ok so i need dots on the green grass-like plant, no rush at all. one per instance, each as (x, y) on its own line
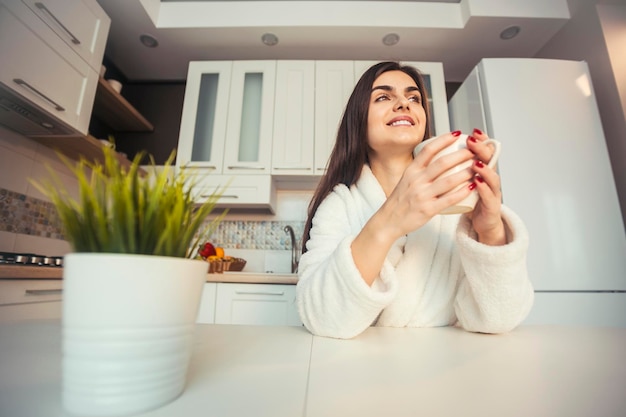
(119, 210)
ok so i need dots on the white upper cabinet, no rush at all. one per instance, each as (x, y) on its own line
(248, 148)
(39, 64)
(432, 73)
(277, 118)
(294, 115)
(334, 81)
(227, 118)
(83, 26)
(205, 109)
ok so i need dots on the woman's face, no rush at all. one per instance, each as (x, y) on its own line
(396, 121)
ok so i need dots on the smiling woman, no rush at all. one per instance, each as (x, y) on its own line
(377, 249)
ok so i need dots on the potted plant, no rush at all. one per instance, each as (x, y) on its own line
(131, 291)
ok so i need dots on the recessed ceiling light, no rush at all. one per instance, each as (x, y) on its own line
(149, 41)
(269, 39)
(510, 32)
(391, 39)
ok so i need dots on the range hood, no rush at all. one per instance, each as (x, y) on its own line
(23, 116)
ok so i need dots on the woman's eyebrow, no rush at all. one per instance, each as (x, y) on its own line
(390, 88)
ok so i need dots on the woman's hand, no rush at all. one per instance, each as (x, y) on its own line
(486, 217)
(426, 189)
(422, 192)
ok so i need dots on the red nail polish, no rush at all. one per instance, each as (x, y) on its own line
(473, 139)
(479, 178)
(478, 131)
(472, 186)
(479, 164)
(456, 133)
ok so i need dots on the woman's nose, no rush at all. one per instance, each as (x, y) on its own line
(402, 102)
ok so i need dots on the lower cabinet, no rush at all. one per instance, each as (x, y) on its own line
(23, 299)
(251, 304)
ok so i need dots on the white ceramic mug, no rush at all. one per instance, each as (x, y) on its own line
(468, 203)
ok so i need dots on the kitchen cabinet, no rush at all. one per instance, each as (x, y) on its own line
(82, 25)
(203, 122)
(334, 81)
(242, 191)
(248, 148)
(41, 66)
(293, 138)
(24, 299)
(52, 52)
(206, 313)
(256, 304)
(227, 119)
(226, 131)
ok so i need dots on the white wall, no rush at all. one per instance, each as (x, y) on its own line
(21, 159)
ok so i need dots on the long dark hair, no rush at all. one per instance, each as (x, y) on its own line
(350, 150)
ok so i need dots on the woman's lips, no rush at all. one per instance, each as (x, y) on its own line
(401, 121)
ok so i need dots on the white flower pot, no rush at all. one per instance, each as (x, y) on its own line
(128, 323)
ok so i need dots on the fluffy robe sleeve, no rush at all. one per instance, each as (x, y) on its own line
(482, 288)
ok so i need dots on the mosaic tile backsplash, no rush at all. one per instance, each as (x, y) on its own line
(22, 214)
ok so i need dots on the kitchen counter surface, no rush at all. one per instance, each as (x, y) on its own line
(253, 278)
(285, 371)
(42, 272)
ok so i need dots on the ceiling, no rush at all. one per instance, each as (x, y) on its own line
(457, 33)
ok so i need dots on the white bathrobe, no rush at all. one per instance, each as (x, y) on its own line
(438, 275)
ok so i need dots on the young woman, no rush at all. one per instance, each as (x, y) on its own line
(375, 249)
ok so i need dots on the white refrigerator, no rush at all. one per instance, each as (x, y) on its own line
(556, 175)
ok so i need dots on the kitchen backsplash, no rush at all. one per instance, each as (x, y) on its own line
(22, 214)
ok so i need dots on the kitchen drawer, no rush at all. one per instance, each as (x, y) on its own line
(256, 304)
(82, 25)
(24, 291)
(243, 191)
(42, 68)
(47, 310)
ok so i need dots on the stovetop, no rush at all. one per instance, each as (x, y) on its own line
(30, 259)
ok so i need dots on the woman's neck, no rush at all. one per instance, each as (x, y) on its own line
(388, 171)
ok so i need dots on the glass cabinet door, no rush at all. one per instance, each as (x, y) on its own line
(248, 147)
(203, 123)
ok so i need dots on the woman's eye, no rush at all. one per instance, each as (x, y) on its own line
(382, 98)
(416, 99)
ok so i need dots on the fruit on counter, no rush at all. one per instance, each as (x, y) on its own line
(207, 250)
(219, 252)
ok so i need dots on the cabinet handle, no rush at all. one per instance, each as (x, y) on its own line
(44, 292)
(23, 83)
(294, 168)
(222, 196)
(198, 167)
(279, 293)
(246, 167)
(44, 9)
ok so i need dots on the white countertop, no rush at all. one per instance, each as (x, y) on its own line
(285, 371)
(253, 278)
(41, 272)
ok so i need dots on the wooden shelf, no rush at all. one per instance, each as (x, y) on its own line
(113, 109)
